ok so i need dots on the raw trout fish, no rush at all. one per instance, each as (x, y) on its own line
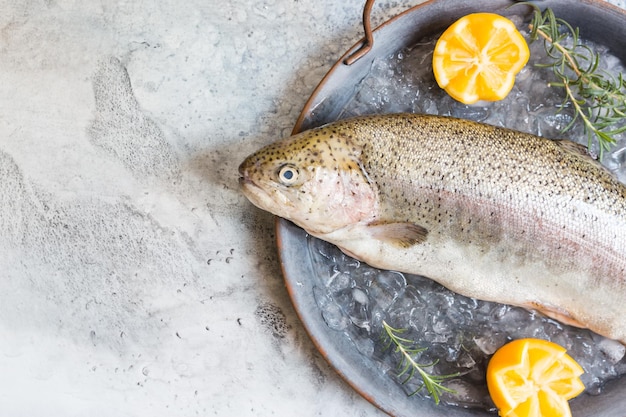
(488, 212)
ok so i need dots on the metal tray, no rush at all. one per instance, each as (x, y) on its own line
(598, 21)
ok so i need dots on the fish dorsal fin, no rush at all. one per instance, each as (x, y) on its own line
(402, 234)
(574, 148)
(580, 151)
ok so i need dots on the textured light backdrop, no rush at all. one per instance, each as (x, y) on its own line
(135, 280)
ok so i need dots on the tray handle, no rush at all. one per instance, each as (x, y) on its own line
(368, 42)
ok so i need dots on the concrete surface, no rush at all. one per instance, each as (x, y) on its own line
(135, 279)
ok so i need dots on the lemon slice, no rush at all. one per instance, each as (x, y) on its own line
(533, 378)
(478, 57)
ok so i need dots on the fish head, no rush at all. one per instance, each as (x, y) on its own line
(315, 179)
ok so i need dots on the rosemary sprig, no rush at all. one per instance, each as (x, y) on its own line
(409, 367)
(598, 98)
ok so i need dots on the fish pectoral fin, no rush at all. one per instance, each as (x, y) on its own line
(402, 234)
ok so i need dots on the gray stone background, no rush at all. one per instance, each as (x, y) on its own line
(135, 279)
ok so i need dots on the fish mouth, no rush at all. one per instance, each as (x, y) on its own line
(244, 177)
(254, 192)
(248, 186)
(246, 182)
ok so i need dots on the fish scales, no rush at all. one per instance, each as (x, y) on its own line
(499, 168)
(488, 212)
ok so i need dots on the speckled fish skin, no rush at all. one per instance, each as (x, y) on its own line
(490, 213)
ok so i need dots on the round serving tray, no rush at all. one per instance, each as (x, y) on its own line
(598, 20)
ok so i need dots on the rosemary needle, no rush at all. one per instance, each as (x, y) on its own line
(598, 98)
(409, 366)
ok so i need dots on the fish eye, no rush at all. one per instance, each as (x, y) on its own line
(288, 174)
